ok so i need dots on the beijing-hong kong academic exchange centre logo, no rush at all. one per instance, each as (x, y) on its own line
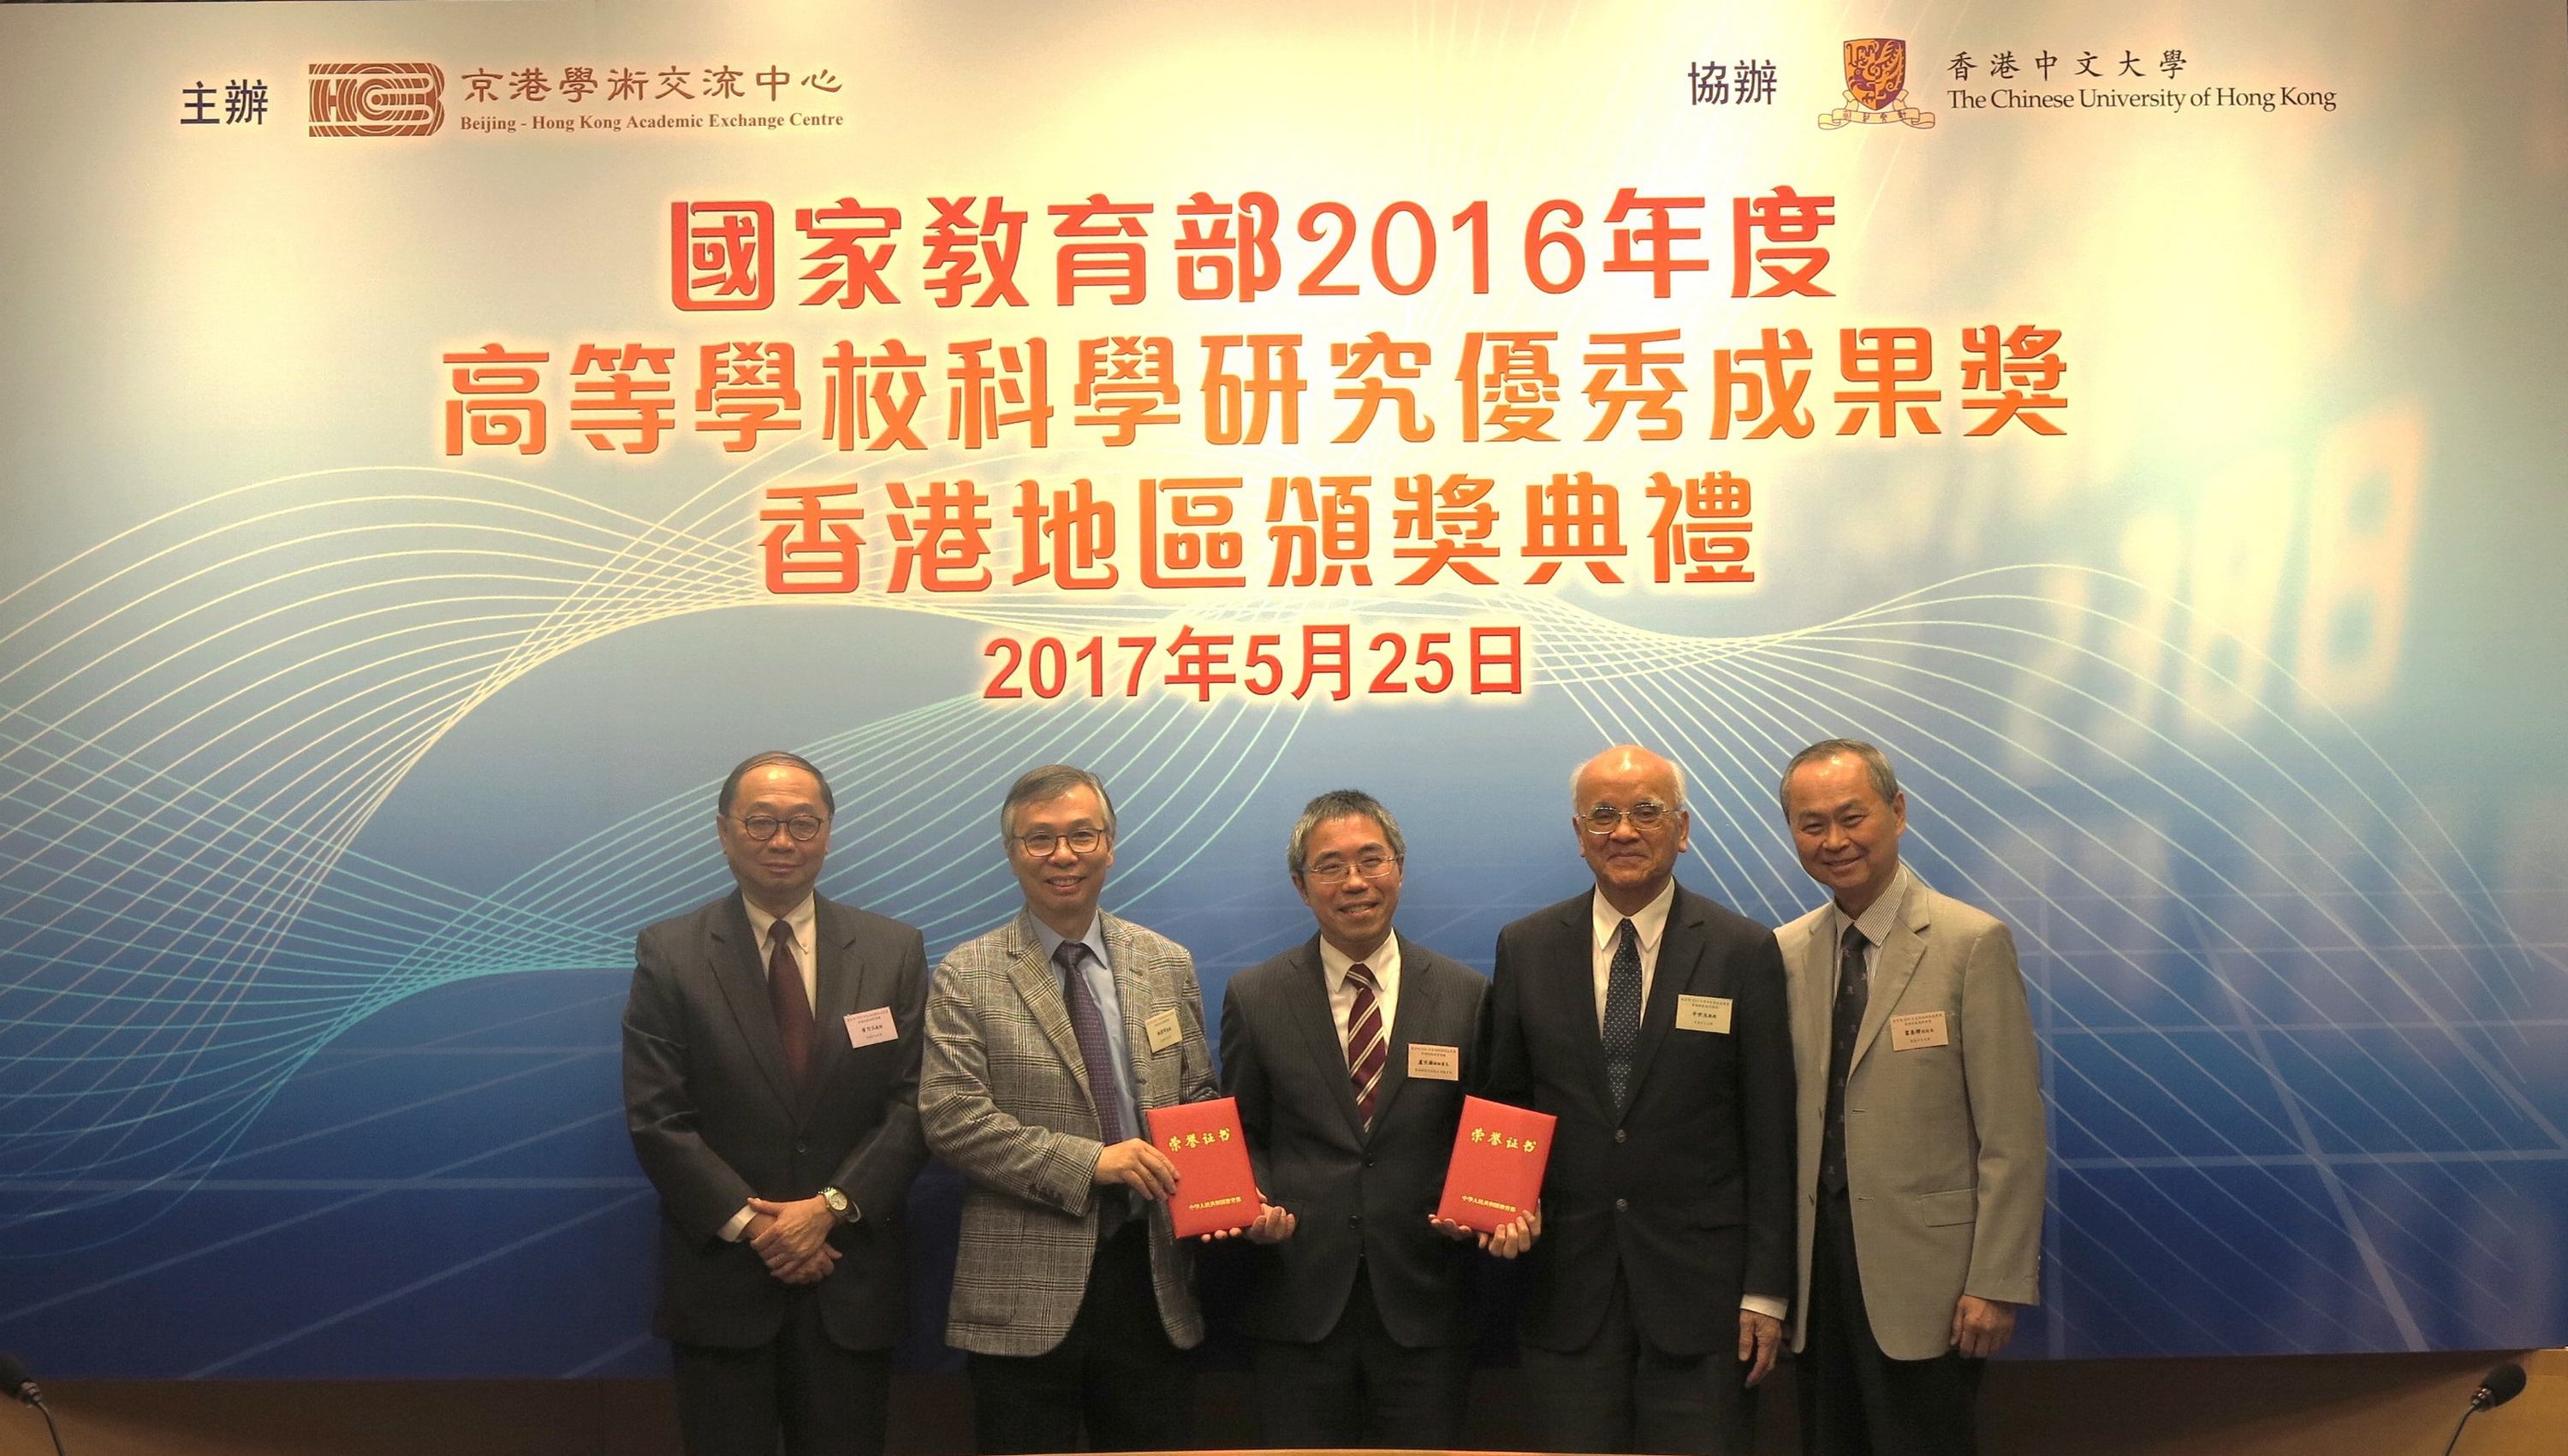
(1876, 93)
(377, 99)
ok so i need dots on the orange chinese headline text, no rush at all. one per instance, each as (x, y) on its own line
(1500, 387)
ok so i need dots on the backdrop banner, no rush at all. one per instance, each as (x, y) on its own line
(437, 440)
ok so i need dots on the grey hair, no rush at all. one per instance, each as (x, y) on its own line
(730, 786)
(1038, 786)
(1340, 803)
(1875, 763)
(1674, 767)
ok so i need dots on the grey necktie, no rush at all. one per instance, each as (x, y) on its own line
(1845, 1021)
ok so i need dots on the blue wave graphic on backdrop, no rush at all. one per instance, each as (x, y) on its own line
(2274, 996)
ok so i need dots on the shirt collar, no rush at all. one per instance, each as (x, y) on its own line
(1095, 939)
(1650, 922)
(1384, 963)
(1880, 917)
(799, 920)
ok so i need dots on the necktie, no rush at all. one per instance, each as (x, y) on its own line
(788, 1000)
(1367, 1050)
(1845, 1020)
(1088, 1024)
(1623, 1013)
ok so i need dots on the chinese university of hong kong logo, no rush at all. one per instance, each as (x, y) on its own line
(1876, 88)
(377, 99)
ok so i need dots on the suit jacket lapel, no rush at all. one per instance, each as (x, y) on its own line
(837, 979)
(741, 973)
(1813, 972)
(1577, 960)
(1133, 1000)
(1039, 986)
(1307, 1007)
(1892, 970)
(1680, 945)
(1417, 1009)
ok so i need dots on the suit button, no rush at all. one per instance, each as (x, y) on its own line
(1620, 1135)
(802, 1147)
(1368, 1162)
(1622, 1205)
(1355, 1221)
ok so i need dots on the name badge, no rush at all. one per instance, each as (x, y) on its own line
(864, 1029)
(1703, 1014)
(1435, 1063)
(1163, 1029)
(1913, 1033)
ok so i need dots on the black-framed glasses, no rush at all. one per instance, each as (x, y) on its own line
(762, 828)
(1043, 842)
(1646, 815)
(1335, 871)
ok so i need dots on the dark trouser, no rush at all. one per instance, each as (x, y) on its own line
(1357, 1387)
(1858, 1401)
(804, 1388)
(1115, 1373)
(1620, 1394)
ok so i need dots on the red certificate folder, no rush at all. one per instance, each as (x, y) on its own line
(1215, 1187)
(1499, 1153)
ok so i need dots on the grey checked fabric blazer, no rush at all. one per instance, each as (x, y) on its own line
(1002, 1096)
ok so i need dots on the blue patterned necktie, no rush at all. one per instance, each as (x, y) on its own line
(1088, 1024)
(1623, 1013)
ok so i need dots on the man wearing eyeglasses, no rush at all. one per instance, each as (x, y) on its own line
(1651, 1022)
(1047, 1040)
(771, 1071)
(1346, 1055)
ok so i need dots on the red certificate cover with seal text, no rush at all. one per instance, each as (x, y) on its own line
(1499, 1153)
(1215, 1187)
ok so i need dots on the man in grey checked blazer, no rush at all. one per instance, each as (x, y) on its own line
(1047, 1038)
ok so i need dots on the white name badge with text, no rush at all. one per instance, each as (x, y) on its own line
(1703, 1014)
(1923, 1029)
(864, 1029)
(1163, 1029)
(1435, 1063)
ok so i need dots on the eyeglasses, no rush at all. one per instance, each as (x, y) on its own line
(763, 827)
(1335, 871)
(1646, 815)
(1042, 843)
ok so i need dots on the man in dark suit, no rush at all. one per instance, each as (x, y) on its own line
(1651, 1022)
(1346, 1055)
(771, 1074)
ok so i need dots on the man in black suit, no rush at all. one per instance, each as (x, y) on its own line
(1651, 1022)
(1346, 1055)
(771, 1080)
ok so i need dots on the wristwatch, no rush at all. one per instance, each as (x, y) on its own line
(847, 1211)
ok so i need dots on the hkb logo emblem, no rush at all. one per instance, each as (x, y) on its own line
(377, 99)
(1876, 74)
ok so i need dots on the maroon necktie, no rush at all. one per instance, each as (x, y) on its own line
(1367, 1048)
(786, 997)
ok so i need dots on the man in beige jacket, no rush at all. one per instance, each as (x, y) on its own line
(1921, 1144)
